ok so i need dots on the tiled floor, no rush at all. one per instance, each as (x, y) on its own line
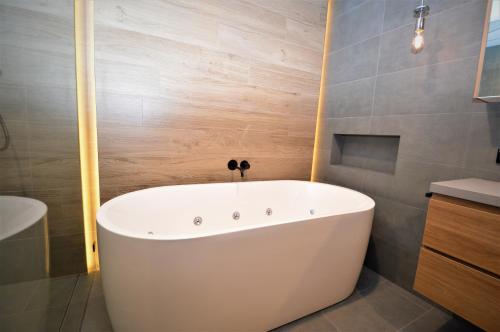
(76, 303)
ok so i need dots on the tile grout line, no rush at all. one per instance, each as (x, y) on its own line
(87, 302)
(410, 297)
(431, 64)
(380, 35)
(28, 300)
(414, 320)
(352, 9)
(403, 114)
(403, 70)
(69, 303)
(331, 322)
(467, 143)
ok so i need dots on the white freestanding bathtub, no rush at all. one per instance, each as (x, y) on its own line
(178, 258)
(24, 242)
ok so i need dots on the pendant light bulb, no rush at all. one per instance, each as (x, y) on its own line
(417, 44)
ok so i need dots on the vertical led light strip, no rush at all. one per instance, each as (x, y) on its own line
(319, 127)
(87, 128)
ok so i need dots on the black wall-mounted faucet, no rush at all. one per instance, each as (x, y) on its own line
(244, 165)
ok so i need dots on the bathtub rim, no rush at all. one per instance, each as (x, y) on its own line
(105, 224)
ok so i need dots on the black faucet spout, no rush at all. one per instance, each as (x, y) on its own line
(233, 165)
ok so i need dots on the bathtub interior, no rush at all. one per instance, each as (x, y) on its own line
(169, 212)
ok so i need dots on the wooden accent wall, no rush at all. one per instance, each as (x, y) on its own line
(184, 86)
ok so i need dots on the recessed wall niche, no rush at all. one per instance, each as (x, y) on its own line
(374, 152)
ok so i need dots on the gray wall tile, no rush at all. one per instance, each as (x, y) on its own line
(410, 182)
(354, 178)
(426, 99)
(342, 6)
(350, 99)
(353, 125)
(373, 152)
(361, 23)
(394, 263)
(484, 140)
(443, 88)
(429, 138)
(452, 34)
(400, 224)
(400, 12)
(354, 62)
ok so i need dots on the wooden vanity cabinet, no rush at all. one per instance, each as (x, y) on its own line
(459, 263)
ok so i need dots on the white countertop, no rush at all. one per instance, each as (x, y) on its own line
(476, 190)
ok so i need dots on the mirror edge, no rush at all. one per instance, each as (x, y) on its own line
(486, 26)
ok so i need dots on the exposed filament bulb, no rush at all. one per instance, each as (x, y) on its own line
(417, 44)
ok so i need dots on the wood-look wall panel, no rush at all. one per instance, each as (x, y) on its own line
(307, 11)
(285, 79)
(127, 174)
(183, 86)
(36, 30)
(158, 142)
(125, 78)
(118, 109)
(13, 102)
(30, 67)
(305, 34)
(51, 106)
(62, 8)
(159, 18)
(164, 112)
(240, 14)
(217, 95)
(277, 51)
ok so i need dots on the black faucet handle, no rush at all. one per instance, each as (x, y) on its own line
(244, 165)
(232, 164)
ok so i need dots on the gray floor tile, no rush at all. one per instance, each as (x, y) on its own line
(74, 317)
(96, 317)
(369, 279)
(436, 320)
(357, 315)
(398, 291)
(48, 319)
(14, 297)
(393, 304)
(96, 290)
(76, 310)
(376, 305)
(83, 287)
(53, 292)
(312, 323)
(374, 309)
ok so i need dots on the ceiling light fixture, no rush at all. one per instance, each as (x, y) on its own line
(420, 13)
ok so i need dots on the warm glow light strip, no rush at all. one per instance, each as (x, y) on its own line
(87, 128)
(321, 102)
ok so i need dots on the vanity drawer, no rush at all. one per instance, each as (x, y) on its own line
(472, 294)
(464, 230)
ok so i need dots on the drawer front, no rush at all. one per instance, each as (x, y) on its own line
(463, 290)
(465, 230)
